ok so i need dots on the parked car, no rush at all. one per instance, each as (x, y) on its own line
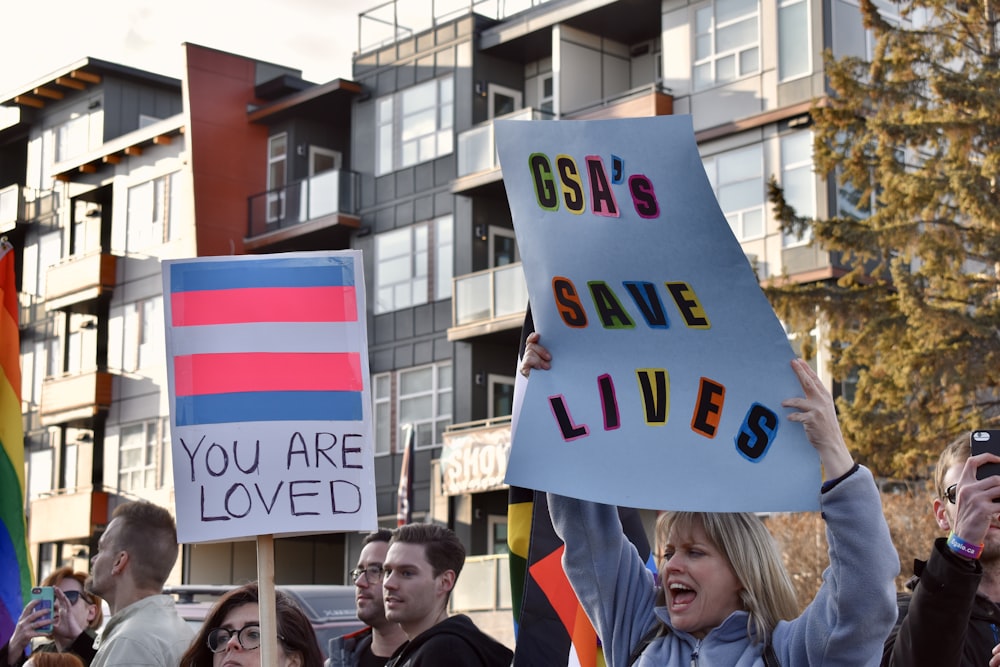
(330, 608)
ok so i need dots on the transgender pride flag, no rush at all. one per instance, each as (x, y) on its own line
(212, 387)
(267, 367)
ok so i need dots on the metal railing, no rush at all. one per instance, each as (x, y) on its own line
(320, 195)
(396, 20)
(477, 149)
(488, 295)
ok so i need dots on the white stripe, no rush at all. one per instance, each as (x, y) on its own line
(267, 337)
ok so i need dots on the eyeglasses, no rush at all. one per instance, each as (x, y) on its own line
(373, 573)
(248, 637)
(949, 493)
(73, 596)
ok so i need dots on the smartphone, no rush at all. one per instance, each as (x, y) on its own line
(986, 441)
(47, 597)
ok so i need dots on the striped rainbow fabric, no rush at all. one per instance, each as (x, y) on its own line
(15, 568)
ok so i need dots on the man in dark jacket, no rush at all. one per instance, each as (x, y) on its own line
(421, 567)
(375, 644)
(952, 616)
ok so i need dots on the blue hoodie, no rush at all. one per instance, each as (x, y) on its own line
(846, 624)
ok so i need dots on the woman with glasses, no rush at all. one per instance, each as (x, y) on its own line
(725, 596)
(231, 633)
(77, 617)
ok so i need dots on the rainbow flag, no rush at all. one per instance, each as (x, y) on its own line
(15, 568)
(225, 386)
(551, 628)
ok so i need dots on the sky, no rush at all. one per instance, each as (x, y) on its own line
(317, 37)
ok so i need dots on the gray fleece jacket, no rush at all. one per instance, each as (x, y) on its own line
(845, 625)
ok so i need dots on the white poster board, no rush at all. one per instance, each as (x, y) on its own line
(269, 391)
(669, 365)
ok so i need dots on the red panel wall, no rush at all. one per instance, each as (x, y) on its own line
(228, 154)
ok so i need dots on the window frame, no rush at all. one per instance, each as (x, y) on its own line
(711, 165)
(404, 128)
(441, 398)
(715, 55)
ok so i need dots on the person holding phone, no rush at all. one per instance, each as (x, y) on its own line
(725, 596)
(952, 616)
(77, 616)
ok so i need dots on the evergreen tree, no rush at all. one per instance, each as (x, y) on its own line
(913, 138)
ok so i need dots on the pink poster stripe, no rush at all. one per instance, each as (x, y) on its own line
(226, 373)
(264, 304)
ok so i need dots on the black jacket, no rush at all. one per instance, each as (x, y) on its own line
(454, 642)
(944, 623)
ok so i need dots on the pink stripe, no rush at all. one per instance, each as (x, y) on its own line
(264, 304)
(199, 374)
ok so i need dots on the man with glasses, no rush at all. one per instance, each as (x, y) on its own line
(135, 556)
(78, 616)
(952, 616)
(421, 567)
(373, 645)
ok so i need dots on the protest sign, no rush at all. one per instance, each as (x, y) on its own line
(669, 365)
(269, 395)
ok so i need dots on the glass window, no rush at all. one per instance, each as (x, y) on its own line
(414, 125)
(403, 274)
(737, 177)
(797, 180)
(726, 41)
(72, 137)
(150, 212)
(137, 456)
(382, 412)
(425, 402)
(794, 56)
(277, 161)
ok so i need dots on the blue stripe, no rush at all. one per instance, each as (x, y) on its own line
(286, 272)
(259, 406)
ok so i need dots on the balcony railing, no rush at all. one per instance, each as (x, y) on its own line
(394, 20)
(75, 398)
(477, 150)
(79, 279)
(651, 99)
(11, 207)
(484, 585)
(488, 296)
(329, 193)
(42, 207)
(31, 309)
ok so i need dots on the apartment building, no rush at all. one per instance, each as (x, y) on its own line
(112, 169)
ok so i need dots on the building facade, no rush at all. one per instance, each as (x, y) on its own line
(112, 169)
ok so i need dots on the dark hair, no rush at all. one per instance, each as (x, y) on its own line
(443, 549)
(380, 535)
(294, 630)
(68, 573)
(148, 533)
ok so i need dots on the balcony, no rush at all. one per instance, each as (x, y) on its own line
(478, 164)
(653, 99)
(43, 208)
(75, 398)
(77, 282)
(67, 515)
(31, 310)
(321, 210)
(488, 301)
(11, 207)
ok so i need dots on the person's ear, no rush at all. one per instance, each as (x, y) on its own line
(446, 581)
(294, 659)
(91, 612)
(121, 561)
(940, 515)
